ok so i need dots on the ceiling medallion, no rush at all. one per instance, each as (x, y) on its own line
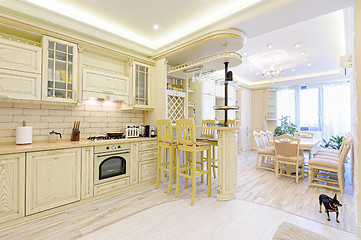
(272, 63)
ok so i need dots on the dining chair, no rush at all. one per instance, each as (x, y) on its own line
(231, 122)
(328, 172)
(333, 152)
(270, 137)
(265, 140)
(165, 141)
(267, 154)
(287, 149)
(186, 141)
(305, 134)
(209, 136)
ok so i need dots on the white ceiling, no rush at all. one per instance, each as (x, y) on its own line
(317, 24)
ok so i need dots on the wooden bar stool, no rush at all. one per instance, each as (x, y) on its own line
(165, 140)
(208, 136)
(186, 141)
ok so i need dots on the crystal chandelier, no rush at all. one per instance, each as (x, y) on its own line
(272, 74)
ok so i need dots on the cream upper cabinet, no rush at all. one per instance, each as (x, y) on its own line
(105, 85)
(60, 64)
(259, 117)
(52, 179)
(12, 186)
(20, 70)
(141, 78)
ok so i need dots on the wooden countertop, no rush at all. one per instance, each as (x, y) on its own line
(8, 148)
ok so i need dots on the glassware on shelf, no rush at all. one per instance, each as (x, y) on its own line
(180, 85)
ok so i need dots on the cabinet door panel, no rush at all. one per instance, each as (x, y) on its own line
(12, 186)
(108, 84)
(20, 57)
(20, 85)
(147, 170)
(53, 179)
(148, 155)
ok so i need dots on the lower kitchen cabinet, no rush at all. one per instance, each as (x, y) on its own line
(12, 186)
(52, 179)
(148, 154)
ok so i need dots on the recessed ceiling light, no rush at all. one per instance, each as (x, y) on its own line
(244, 53)
(250, 69)
(293, 69)
(297, 45)
(269, 46)
(257, 73)
(308, 64)
(243, 66)
(306, 59)
(155, 26)
(302, 52)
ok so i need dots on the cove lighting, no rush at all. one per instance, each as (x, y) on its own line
(192, 25)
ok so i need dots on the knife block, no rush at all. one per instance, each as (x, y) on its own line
(75, 134)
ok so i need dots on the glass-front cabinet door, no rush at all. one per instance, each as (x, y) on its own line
(141, 84)
(60, 70)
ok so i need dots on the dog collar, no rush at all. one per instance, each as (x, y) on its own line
(331, 206)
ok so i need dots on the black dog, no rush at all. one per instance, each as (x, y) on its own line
(330, 204)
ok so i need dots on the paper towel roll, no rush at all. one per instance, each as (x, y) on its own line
(24, 135)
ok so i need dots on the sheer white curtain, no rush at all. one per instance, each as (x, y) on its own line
(324, 107)
(286, 104)
(336, 110)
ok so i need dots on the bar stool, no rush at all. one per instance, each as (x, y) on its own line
(231, 122)
(186, 141)
(165, 140)
(208, 136)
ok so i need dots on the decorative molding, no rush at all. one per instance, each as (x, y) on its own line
(28, 25)
(228, 33)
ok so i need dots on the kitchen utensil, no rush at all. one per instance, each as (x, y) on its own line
(131, 132)
(24, 134)
(75, 134)
(53, 136)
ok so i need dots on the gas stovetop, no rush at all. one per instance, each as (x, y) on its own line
(105, 138)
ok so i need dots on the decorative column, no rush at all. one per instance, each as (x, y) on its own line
(227, 164)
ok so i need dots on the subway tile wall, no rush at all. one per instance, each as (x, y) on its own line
(95, 117)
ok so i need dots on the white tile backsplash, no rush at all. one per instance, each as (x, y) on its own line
(94, 117)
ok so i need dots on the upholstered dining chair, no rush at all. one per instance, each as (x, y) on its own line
(267, 154)
(186, 141)
(287, 149)
(209, 136)
(327, 171)
(265, 140)
(333, 152)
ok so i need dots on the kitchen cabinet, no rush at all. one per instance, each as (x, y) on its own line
(60, 65)
(100, 84)
(12, 186)
(87, 169)
(141, 78)
(20, 66)
(52, 179)
(271, 102)
(148, 154)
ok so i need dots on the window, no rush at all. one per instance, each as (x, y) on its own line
(286, 104)
(324, 107)
(309, 109)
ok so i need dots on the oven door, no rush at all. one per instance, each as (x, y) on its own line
(111, 166)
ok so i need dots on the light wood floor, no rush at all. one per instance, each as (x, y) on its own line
(262, 203)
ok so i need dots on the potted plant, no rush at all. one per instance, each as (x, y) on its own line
(334, 142)
(286, 127)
